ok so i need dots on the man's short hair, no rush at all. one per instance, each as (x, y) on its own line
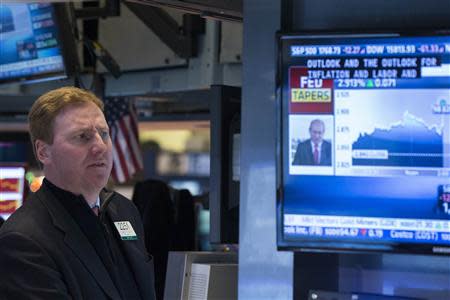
(317, 121)
(41, 117)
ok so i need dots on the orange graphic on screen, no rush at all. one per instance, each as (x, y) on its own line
(8, 206)
(10, 185)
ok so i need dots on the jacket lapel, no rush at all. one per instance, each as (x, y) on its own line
(79, 244)
(135, 253)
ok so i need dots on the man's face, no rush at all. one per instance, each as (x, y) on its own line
(316, 131)
(80, 158)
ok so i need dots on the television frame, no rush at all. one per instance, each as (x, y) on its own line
(67, 44)
(331, 245)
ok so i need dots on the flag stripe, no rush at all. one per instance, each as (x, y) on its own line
(134, 123)
(122, 147)
(126, 133)
(135, 139)
(117, 172)
(134, 143)
(121, 164)
(122, 121)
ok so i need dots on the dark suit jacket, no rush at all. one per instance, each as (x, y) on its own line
(304, 154)
(45, 255)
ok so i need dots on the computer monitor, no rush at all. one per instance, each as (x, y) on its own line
(364, 162)
(36, 42)
(179, 276)
(12, 188)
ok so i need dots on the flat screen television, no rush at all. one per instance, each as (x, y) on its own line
(36, 42)
(364, 143)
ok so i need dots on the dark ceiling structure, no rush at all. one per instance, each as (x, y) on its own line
(230, 10)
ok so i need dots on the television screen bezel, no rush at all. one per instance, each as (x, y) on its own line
(67, 44)
(329, 246)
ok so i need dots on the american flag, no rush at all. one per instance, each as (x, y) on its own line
(127, 157)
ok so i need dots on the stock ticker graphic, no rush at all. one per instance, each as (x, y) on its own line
(408, 143)
(392, 132)
(444, 199)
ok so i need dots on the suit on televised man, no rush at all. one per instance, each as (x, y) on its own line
(315, 151)
(59, 244)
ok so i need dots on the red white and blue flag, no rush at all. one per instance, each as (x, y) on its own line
(122, 120)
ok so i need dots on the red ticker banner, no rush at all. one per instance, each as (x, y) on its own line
(8, 206)
(10, 185)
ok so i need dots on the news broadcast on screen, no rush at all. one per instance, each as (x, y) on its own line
(365, 143)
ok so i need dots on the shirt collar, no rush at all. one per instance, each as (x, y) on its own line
(97, 203)
(318, 144)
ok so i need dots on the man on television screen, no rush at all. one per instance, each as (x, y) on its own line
(314, 151)
(73, 239)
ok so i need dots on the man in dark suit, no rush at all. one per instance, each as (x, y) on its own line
(60, 244)
(315, 151)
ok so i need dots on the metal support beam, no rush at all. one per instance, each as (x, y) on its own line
(228, 10)
(182, 40)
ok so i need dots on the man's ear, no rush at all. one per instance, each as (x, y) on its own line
(43, 153)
